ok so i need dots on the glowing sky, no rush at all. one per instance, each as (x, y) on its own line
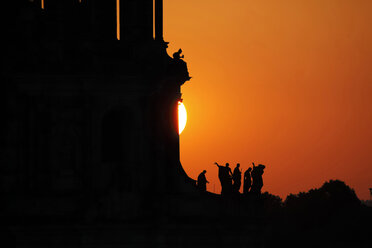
(284, 83)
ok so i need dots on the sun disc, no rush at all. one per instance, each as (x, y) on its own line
(182, 117)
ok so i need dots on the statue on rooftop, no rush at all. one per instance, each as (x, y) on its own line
(178, 67)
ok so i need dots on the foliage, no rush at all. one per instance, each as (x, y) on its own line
(332, 215)
(271, 203)
(317, 206)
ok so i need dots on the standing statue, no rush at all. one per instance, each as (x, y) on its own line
(202, 181)
(224, 174)
(257, 183)
(247, 181)
(237, 178)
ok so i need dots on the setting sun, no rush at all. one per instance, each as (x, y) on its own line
(182, 117)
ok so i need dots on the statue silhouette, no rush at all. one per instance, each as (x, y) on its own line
(237, 178)
(179, 67)
(177, 55)
(225, 174)
(202, 181)
(257, 183)
(247, 181)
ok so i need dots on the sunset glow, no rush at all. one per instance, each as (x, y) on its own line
(182, 117)
(284, 83)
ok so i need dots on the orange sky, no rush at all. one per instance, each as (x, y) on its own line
(284, 83)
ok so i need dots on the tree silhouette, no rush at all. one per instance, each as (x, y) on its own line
(330, 216)
(272, 204)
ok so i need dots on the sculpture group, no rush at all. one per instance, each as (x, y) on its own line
(231, 181)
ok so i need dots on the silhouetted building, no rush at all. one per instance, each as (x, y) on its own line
(90, 144)
(88, 113)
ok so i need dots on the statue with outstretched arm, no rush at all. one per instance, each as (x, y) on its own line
(224, 169)
(217, 164)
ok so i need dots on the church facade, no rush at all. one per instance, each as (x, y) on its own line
(88, 112)
(91, 131)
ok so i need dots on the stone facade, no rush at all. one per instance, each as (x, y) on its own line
(90, 144)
